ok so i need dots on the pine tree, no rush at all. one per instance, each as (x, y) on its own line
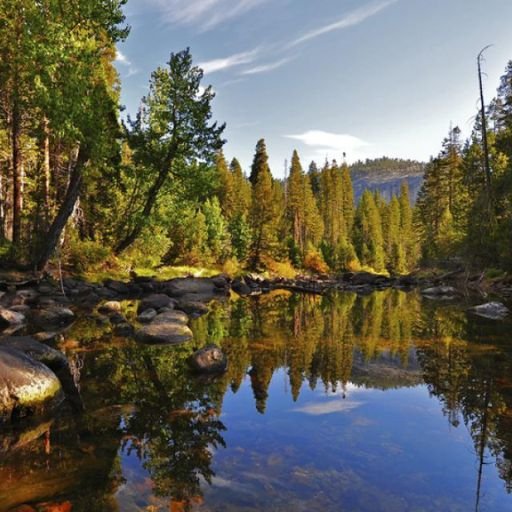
(226, 188)
(261, 217)
(368, 236)
(395, 254)
(407, 233)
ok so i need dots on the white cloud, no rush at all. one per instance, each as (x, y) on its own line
(332, 145)
(123, 60)
(204, 13)
(329, 407)
(264, 68)
(353, 18)
(238, 59)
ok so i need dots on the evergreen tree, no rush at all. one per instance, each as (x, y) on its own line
(368, 236)
(261, 217)
(407, 233)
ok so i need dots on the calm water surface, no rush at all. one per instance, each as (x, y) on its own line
(387, 402)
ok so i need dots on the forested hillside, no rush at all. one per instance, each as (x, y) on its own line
(79, 186)
(386, 175)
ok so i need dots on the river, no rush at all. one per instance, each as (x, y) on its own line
(387, 402)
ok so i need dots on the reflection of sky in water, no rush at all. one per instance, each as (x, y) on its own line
(371, 451)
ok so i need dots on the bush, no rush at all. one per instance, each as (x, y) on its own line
(84, 255)
(315, 263)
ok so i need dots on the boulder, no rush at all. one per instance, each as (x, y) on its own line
(55, 360)
(240, 287)
(117, 286)
(10, 318)
(203, 289)
(491, 310)
(164, 333)
(123, 329)
(155, 301)
(439, 291)
(112, 306)
(172, 316)
(146, 316)
(52, 316)
(220, 282)
(193, 308)
(209, 359)
(26, 386)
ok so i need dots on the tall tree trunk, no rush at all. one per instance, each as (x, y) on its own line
(65, 211)
(146, 212)
(17, 175)
(45, 148)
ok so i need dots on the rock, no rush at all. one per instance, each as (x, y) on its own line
(40, 352)
(173, 316)
(491, 310)
(10, 318)
(117, 286)
(46, 289)
(209, 359)
(220, 282)
(164, 333)
(46, 336)
(155, 301)
(52, 316)
(106, 293)
(112, 306)
(146, 316)
(189, 286)
(20, 308)
(27, 295)
(240, 287)
(26, 386)
(194, 309)
(55, 360)
(117, 318)
(438, 291)
(123, 329)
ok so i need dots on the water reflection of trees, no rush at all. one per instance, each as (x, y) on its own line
(323, 340)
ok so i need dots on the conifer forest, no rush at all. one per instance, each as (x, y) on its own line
(255, 256)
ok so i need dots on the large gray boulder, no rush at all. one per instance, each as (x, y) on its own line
(491, 310)
(171, 317)
(27, 386)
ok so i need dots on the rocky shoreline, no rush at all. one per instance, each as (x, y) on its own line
(35, 310)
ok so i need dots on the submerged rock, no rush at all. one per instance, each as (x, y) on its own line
(26, 386)
(209, 359)
(491, 310)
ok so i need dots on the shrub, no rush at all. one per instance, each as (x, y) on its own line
(315, 263)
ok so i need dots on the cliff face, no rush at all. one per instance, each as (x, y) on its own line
(386, 175)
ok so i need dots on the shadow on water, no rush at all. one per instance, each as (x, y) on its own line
(319, 392)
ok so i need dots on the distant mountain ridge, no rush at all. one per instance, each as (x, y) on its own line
(386, 175)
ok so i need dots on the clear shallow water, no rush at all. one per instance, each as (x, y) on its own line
(377, 403)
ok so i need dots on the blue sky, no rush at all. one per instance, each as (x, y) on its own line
(365, 77)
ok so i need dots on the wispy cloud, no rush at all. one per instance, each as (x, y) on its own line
(205, 14)
(238, 59)
(351, 19)
(265, 68)
(331, 144)
(329, 407)
(123, 60)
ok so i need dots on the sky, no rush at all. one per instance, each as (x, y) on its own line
(363, 77)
